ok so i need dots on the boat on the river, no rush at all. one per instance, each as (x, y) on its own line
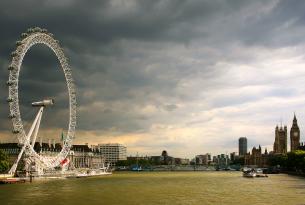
(136, 168)
(12, 180)
(251, 173)
(4, 176)
(91, 172)
(260, 173)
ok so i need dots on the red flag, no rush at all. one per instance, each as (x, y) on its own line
(64, 162)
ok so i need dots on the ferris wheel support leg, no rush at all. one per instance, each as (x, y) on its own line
(26, 143)
(38, 116)
(37, 126)
(14, 167)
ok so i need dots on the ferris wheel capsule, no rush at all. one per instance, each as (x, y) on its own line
(15, 131)
(9, 99)
(30, 30)
(14, 53)
(18, 43)
(24, 35)
(10, 67)
(11, 116)
(37, 29)
(9, 83)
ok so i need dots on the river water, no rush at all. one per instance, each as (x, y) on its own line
(158, 188)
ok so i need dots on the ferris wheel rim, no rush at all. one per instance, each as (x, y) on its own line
(31, 38)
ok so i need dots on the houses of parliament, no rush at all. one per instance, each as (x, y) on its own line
(256, 157)
(280, 142)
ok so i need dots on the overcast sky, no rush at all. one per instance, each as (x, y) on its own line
(189, 77)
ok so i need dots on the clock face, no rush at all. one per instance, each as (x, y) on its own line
(295, 134)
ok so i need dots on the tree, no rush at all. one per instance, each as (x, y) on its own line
(278, 160)
(296, 160)
(292, 161)
(130, 162)
(4, 164)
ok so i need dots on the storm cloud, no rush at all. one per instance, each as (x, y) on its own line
(187, 76)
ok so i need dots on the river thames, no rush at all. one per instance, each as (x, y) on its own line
(158, 188)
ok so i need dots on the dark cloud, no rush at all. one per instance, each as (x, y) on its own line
(141, 63)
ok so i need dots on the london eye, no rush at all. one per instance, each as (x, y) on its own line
(27, 140)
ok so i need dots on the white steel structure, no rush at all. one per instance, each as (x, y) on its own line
(30, 38)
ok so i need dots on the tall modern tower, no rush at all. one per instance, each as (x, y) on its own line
(242, 144)
(294, 135)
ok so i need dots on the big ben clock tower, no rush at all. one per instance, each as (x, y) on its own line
(294, 135)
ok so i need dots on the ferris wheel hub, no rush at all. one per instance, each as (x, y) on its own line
(43, 103)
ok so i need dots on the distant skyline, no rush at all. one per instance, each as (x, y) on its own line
(189, 77)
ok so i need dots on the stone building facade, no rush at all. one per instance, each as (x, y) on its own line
(80, 156)
(12, 150)
(221, 160)
(256, 158)
(302, 146)
(203, 159)
(163, 159)
(113, 152)
(280, 142)
(182, 161)
(294, 135)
